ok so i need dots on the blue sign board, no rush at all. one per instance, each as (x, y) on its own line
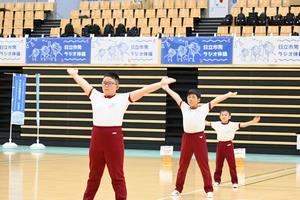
(58, 50)
(196, 50)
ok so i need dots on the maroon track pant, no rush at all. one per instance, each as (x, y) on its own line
(106, 148)
(225, 150)
(194, 144)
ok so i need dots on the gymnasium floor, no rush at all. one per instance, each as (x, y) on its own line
(61, 174)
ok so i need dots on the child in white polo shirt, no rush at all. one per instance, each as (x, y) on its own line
(226, 130)
(193, 138)
(107, 146)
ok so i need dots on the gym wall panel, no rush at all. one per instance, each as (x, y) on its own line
(272, 93)
(66, 112)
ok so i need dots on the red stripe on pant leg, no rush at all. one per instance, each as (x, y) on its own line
(114, 155)
(201, 154)
(97, 165)
(231, 162)
(184, 162)
(220, 156)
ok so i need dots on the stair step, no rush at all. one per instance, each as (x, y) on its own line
(211, 19)
(45, 28)
(210, 23)
(203, 25)
(206, 26)
(206, 29)
(36, 36)
(47, 23)
(216, 18)
(50, 22)
(50, 25)
(41, 31)
(203, 31)
(39, 35)
(53, 20)
(202, 34)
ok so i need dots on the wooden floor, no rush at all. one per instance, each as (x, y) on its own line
(27, 176)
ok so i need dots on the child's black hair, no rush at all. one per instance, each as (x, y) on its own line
(113, 76)
(195, 92)
(224, 110)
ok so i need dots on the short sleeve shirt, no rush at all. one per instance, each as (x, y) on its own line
(108, 111)
(225, 132)
(194, 119)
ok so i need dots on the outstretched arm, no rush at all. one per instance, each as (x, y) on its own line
(255, 120)
(221, 98)
(207, 123)
(137, 94)
(86, 87)
(173, 94)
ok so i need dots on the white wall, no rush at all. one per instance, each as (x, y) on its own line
(63, 7)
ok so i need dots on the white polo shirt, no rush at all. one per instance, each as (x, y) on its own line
(108, 111)
(225, 132)
(194, 119)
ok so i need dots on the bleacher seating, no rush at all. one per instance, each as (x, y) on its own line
(271, 8)
(169, 16)
(16, 18)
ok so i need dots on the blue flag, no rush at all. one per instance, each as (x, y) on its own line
(18, 99)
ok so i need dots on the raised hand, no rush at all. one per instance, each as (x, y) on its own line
(165, 86)
(166, 81)
(231, 94)
(250, 123)
(221, 98)
(137, 94)
(72, 71)
(87, 88)
(256, 119)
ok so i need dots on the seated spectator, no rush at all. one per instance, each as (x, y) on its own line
(69, 31)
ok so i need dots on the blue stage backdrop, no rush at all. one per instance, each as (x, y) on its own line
(58, 50)
(196, 50)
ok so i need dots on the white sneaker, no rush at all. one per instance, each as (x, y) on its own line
(175, 193)
(210, 195)
(216, 184)
(235, 185)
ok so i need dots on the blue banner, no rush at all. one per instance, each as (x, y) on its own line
(37, 77)
(18, 99)
(58, 50)
(196, 50)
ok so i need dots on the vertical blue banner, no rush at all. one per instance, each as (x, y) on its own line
(18, 99)
(37, 78)
(58, 50)
(197, 50)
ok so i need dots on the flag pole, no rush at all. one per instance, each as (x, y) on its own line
(10, 144)
(37, 145)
